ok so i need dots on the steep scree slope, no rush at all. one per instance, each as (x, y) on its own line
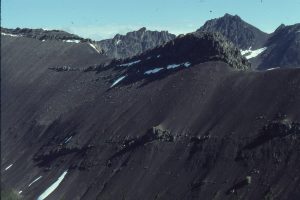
(207, 131)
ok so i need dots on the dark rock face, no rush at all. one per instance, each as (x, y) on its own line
(283, 48)
(42, 34)
(133, 43)
(242, 34)
(180, 53)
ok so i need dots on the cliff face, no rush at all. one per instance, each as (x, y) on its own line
(134, 43)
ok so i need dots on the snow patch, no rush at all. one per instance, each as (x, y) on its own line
(72, 41)
(52, 187)
(118, 42)
(172, 66)
(153, 71)
(94, 47)
(252, 53)
(68, 139)
(272, 68)
(129, 64)
(158, 56)
(12, 35)
(117, 81)
(20, 191)
(35, 180)
(9, 166)
(187, 64)
(243, 52)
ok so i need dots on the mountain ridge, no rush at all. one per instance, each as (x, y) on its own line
(134, 42)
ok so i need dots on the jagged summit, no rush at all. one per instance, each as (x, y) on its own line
(242, 34)
(133, 43)
(182, 52)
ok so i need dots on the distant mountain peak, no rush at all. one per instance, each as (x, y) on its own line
(143, 29)
(242, 34)
(283, 48)
(134, 42)
(232, 16)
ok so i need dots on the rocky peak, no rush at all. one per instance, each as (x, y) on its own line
(283, 48)
(134, 43)
(242, 34)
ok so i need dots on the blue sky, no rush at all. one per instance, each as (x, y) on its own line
(100, 19)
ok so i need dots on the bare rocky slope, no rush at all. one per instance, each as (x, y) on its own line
(209, 130)
(283, 48)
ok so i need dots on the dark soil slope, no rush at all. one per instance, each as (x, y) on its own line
(208, 131)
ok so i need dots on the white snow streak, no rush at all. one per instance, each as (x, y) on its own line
(118, 42)
(52, 187)
(117, 81)
(9, 166)
(187, 64)
(68, 139)
(94, 47)
(252, 53)
(35, 180)
(157, 56)
(153, 71)
(12, 35)
(129, 64)
(272, 68)
(73, 41)
(20, 191)
(172, 66)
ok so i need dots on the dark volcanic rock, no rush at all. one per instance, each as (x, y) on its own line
(283, 48)
(133, 43)
(42, 34)
(242, 34)
(180, 53)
